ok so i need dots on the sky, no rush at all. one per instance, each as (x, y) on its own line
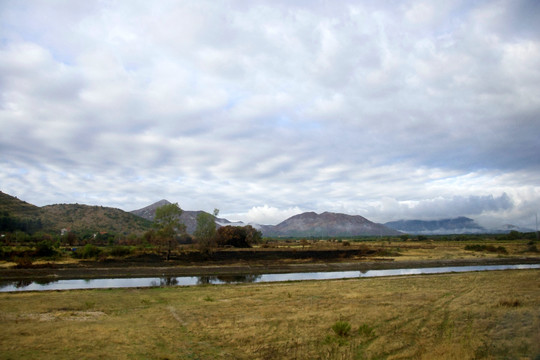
(265, 109)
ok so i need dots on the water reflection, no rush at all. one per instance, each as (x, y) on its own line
(168, 281)
(228, 279)
(22, 283)
(46, 284)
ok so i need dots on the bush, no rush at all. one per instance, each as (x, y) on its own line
(45, 249)
(120, 251)
(87, 252)
(488, 248)
(342, 328)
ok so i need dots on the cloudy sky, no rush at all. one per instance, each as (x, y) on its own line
(265, 109)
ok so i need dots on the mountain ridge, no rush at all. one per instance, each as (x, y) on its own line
(79, 217)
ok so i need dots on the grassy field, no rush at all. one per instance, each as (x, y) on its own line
(485, 315)
(448, 250)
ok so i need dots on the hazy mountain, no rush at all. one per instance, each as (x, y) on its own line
(459, 225)
(327, 224)
(506, 228)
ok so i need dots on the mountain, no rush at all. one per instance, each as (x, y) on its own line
(327, 224)
(459, 225)
(149, 211)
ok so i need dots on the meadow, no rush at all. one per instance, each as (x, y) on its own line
(483, 315)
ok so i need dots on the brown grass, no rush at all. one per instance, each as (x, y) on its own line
(450, 316)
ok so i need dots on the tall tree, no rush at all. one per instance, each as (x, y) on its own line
(205, 233)
(168, 224)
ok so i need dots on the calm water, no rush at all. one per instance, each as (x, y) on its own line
(39, 285)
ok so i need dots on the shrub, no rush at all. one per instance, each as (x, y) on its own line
(366, 331)
(45, 249)
(488, 248)
(342, 328)
(120, 251)
(23, 262)
(87, 252)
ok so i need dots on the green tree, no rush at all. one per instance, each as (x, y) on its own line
(205, 233)
(168, 224)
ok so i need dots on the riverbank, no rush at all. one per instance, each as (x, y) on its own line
(94, 269)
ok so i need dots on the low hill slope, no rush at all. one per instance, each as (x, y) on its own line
(78, 217)
(16, 207)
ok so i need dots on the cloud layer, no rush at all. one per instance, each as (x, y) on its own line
(415, 110)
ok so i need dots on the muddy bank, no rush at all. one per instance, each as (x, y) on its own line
(162, 269)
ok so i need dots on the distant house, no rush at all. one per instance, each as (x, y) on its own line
(64, 231)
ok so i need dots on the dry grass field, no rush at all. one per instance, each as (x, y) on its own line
(484, 315)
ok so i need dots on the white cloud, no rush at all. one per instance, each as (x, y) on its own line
(268, 215)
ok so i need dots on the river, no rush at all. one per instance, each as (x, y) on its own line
(72, 284)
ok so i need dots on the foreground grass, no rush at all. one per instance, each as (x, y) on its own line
(454, 316)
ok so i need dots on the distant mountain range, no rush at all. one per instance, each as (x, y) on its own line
(459, 225)
(80, 217)
(308, 224)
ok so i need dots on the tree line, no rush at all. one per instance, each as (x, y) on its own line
(168, 230)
